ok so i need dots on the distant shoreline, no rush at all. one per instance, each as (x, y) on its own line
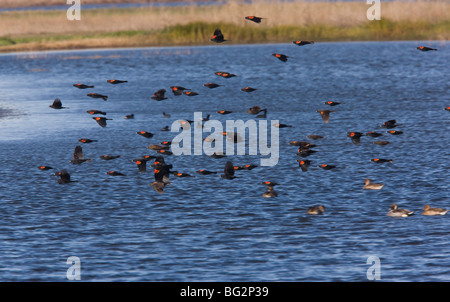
(47, 3)
(193, 25)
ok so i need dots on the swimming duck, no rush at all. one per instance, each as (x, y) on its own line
(394, 211)
(428, 211)
(316, 210)
(372, 186)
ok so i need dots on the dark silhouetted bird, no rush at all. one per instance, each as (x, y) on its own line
(373, 134)
(254, 19)
(224, 74)
(381, 143)
(356, 137)
(223, 112)
(254, 110)
(159, 95)
(425, 48)
(280, 56)
(97, 96)
(218, 36)
(331, 103)
(57, 104)
(141, 164)
(228, 172)
(116, 81)
(115, 173)
(96, 112)
(101, 120)
(178, 90)
(78, 156)
(325, 114)
(64, 177)
(248, 89)
(389, 124)
(382, 160)
(206, 172)
(211, 85)
(282, 125)
(44, 168)
(145, 134)
(190, 93)
(109, 157)
(87, 140)
(301, 43)
(82, 86)
(129, 116)
(394, 132)
(304, 164)
(314, 136)
(326, 167)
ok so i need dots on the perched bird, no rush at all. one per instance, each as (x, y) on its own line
(178, 90)
(301, 43)
(115, 173)
(206, 172)
(64, 177)
(145, 134)
(254, 19)
(82, 86)
(190, 93)
(211, 85)
(96, 112)
(129, 116)
(228, 172)
(116, 81)
(101, 121)
(325, 114)
(57, 104)
(304, 164)
(280, 56)
(97, 96)
(356, 137)
(248, 89)
(371, 186)
(218, 36)
(428, 211)
(331, 103)
(87, 140)
(394, 211)
(382, 160)
(425, 48)
(44, 168)
(316, 210)
(159, 95)
(78, 156)
(109, 157)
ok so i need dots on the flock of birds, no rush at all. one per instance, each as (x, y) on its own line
(162, 170)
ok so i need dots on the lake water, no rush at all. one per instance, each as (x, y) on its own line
(206, 228)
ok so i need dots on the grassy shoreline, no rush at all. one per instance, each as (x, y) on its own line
(193, 25)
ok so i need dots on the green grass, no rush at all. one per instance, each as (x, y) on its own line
(199, 33)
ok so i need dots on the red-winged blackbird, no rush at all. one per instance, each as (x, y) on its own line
(211, 85)
(101, 120)
(82, 86)
(145, 134)
(78, 156)
(302, 144)
(228, 172)
(280, 56)
(331, 103)
(373, 134)
(325, 114)
(64, 177)
(115, 173)
(301, 43)
(129, 116)
(190, 93)
(304, 164)
(218, 36)
(179, 174)
(96, 112)
(355, 136)
(57, 104)
(141, 164)
(224, 74)
(159, 95)
(382, 160)
(44, 168)
(254, 19)
(178, 90)
(223, 112)
(425, 48)
(116, 81)
(86, 140)
(326, 167)
(389, 124)
(206, 172)
(314, 136)
(97, 96)
(248, 89)
(282, 125)
(393, 132)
